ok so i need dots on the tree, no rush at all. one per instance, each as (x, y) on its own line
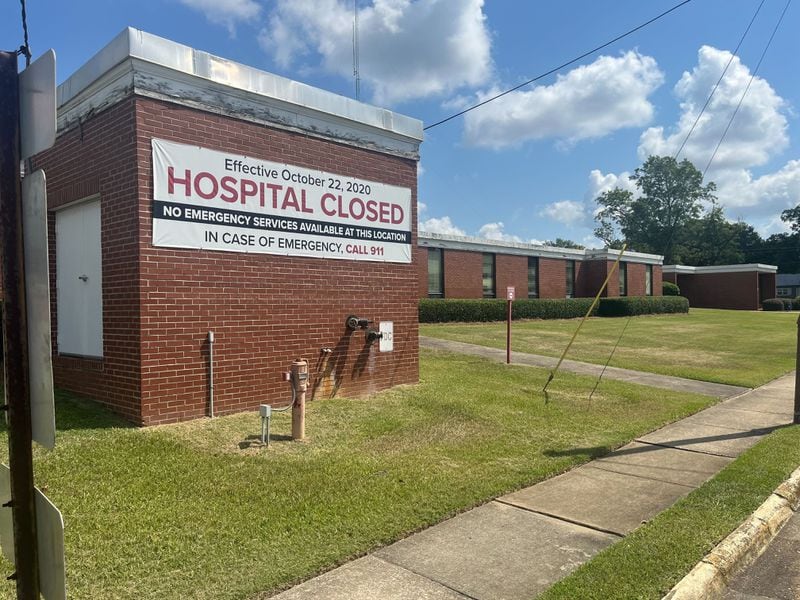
(792, 216)
(709, 240)
(670, 195)
(782, 250)
(562, 243)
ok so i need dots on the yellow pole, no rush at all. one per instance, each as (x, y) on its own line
(586, 316)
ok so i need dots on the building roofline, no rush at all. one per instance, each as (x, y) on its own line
(746, 268)
(144, 64)
(474, 244)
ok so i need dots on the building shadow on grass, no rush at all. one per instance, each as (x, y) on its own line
(77, 413)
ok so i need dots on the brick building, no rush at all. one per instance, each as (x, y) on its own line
(464, 267)
(740, 287)
(189, 194)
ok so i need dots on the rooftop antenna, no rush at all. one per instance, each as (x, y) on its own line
(355, 50)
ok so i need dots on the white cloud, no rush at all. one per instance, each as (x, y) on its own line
(496, 231)
(758, 132)
(441, 225)
(408, 49)
(592, 241)
(600, 183)
(745, 195)
(588, 102)
(226, 12)
(567, 212)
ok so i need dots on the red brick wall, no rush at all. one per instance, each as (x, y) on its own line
(578, 290)
(552, 278)
(100, 158)
(511, 270)
(265, 310)
(767, 286)
(657, 280)
(463, 274)
(636, 282)
(721, 290)
(593, 274)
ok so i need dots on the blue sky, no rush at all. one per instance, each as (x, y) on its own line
(528, 167)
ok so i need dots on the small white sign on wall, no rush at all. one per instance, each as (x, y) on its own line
(387, 334)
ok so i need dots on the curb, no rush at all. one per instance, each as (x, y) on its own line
(709, 577)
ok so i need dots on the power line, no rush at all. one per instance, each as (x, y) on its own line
(356, 67)
(559, 67)
(25, 48)
(716, 85)
(747, 88)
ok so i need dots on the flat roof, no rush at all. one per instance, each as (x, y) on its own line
(474, 244)
(746, 268)
(788, 279)
(148, 65)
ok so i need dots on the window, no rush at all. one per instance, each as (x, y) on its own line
(623, 279)
(435, 273)
(488, 276)
(648, 280)
(570, 278)
(784, 291)
(533, 277)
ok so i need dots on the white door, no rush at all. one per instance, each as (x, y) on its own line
(79, 280)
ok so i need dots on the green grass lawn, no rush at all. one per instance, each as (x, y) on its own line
(197, 510)
(656, 556)
(724, 346)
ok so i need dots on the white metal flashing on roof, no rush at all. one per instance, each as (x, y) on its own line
(473, 244)
(748, 268)
(147, 65)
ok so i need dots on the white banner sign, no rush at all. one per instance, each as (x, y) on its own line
(217, 201)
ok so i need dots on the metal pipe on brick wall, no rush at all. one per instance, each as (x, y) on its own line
(210, 373)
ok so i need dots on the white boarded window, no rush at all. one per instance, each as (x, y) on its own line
(79, 280)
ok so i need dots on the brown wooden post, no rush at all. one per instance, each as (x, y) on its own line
(508, 335)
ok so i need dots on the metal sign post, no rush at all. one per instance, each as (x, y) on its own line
(16, 336)
(31, 527)
(797, 378)
(510, 292)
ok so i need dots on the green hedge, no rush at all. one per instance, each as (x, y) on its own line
(475, 311)
(670, 289)
(772, 304)
(642, 305)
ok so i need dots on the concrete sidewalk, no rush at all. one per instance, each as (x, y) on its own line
(668, 382)
(518, 545)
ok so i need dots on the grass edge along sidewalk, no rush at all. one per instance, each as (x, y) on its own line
(188, 510)
(653, 558)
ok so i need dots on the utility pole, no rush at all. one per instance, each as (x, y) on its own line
(17, 387)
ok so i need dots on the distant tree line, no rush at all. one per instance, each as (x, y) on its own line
(674, 214)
